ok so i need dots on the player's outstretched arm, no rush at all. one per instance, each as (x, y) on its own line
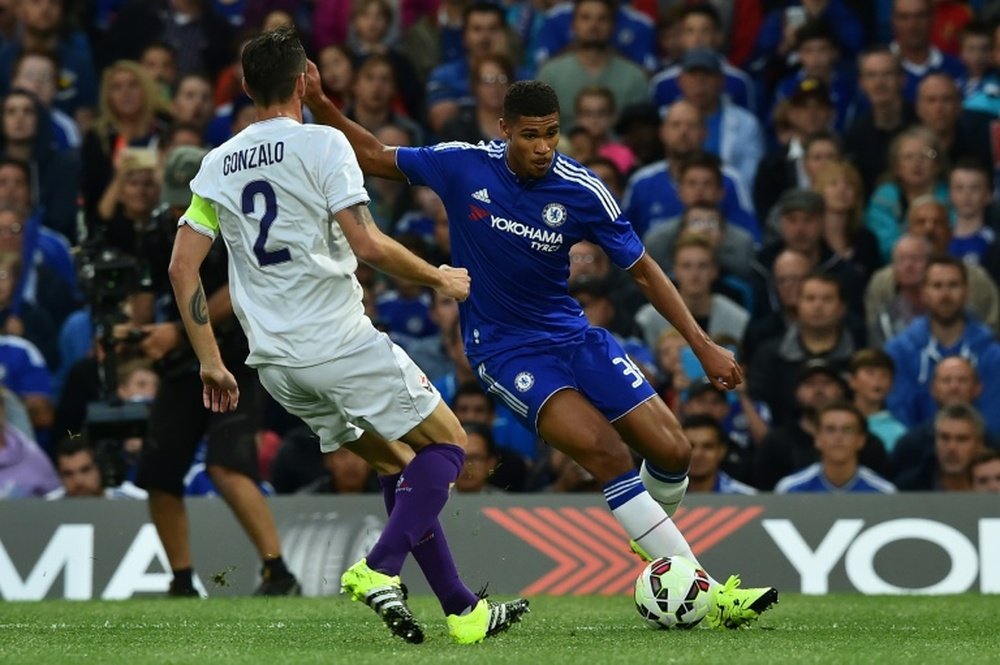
(719, 363)
(374, 157)
(190, 249)
(382, 252)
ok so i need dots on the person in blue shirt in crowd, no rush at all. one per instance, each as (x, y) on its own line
(701, 27)
(515, 207)
(945, 330)
(448, 85)
(654, 195)
(840, 436)
(709, 446)
(634, 36)
(912, 22)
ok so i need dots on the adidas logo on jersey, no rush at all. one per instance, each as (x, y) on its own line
(482, 195)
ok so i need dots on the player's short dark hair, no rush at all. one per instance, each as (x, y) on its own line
(529, 99)
(705, 421)
(272, 63)
(483, 7)
(703, 9)
(845, 407)
(703, 160)
(871, 357)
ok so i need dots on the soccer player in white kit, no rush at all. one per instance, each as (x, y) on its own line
(289, 202)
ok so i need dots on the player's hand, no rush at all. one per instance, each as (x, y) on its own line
(160, 339)
(720, 366)
(221, 393)
(314, 85)
(455, 282)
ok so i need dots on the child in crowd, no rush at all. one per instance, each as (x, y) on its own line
(969, 191)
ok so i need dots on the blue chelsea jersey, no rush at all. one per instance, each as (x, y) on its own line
(513, 235)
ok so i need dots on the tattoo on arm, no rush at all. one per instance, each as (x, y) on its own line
(361, 214)
(198, 306)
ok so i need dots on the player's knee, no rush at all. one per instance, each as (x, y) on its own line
(222, 475)
(606, 460)
(673, 450)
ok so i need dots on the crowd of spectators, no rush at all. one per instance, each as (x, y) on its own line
(817, 177)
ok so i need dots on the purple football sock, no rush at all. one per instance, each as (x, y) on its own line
(433, 556)
(421, 492)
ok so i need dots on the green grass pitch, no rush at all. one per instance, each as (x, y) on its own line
(800, 629)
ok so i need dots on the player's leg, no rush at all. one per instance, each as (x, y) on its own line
(648, 426)
(176, 421)
(653, 431)
(570, 423)
(231, 460)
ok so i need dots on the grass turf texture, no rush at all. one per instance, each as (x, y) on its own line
(801, 629)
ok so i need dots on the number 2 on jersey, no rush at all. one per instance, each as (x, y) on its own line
(249, 203)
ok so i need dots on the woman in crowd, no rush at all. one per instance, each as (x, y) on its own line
(914, 171)
(843, 229)
(128, 116)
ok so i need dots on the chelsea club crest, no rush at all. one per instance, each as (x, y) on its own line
(523, 381)
(554, 214)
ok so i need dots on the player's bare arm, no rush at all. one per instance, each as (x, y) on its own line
(374, 157)
(719, 363)
(382, 252)
(190, 249)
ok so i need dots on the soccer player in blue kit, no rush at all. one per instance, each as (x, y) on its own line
(515, 207)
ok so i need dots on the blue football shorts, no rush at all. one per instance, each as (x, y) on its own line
(595, 365)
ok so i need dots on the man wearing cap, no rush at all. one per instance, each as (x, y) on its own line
(810, 110)
(592, 60)
(800, 229)
(178, 422)
(791, 447)
(819, 54)
(734, 134)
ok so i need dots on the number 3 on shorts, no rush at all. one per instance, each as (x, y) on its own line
(630, 369)
(248, 204)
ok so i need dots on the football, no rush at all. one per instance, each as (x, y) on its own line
(672, 592)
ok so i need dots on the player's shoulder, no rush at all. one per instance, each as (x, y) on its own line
(471, 153)
(584, 186)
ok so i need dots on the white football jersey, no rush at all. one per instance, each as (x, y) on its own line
(272, 191)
